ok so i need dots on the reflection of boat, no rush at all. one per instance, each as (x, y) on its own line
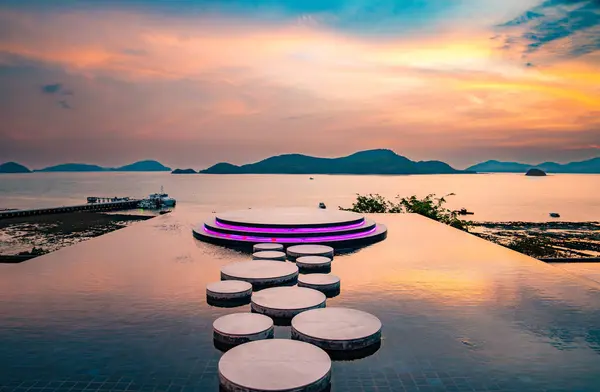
(162, 212)
(554, 215)
(322, 205)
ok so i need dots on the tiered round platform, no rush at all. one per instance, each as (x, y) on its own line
(275, 365)
(290, 226)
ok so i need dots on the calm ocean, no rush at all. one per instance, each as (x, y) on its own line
(493, 197)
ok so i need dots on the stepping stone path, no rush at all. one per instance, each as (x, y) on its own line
(228, 290)
(337, 329)
(269, 255)
(313, 263)
(296, 251)
(286, 302)
(275, 365)
(260, 272)
(267, 246)
(237, 328)
(322, 282)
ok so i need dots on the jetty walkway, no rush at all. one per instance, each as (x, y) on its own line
(108, 206)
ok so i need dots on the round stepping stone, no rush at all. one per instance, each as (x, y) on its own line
(275, 365)
(296, 251)
(267, 246)
(238, 328)
(337, 329)
(321, 282)
(260, 272)
(286, 302)
(313, 262)
(228, 290)
(269, 255)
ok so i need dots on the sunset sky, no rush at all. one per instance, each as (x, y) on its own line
(192, 83)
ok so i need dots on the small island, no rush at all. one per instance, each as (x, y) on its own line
(535, 172)
(184, 171)
(13, 167)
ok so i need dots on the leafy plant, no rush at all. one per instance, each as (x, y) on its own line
(429, 206)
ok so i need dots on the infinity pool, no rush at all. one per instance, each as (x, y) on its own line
(127, 312)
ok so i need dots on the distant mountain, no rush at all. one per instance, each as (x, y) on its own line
(363, 162)
(141, 166)
(590, 166)
(144, 166)
(73, 167)
(184, 171)
(13, 167)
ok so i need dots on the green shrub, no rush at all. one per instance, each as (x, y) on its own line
(429, 206)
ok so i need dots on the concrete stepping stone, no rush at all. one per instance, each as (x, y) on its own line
(228, 290)
(267, 246)
(237, 328)
(322, 282)
(313, 263)
(275, 365)
(286, 302)
(296, 251)
(260, 272)
(269, 255)
(337, 329)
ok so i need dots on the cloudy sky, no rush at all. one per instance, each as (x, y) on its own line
(191, 83)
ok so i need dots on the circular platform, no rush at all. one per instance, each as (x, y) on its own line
(260, 272)
(296, 251)
(295, 217)
(269, 255)
(289, 226)
(228, 290)
(313, 262)
(337, 329)
(286, 302)
(238, 328)
(321, 282)
(275, 365)
(267, 246)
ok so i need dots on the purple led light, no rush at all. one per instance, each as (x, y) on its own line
(289, 230)
(294, 240)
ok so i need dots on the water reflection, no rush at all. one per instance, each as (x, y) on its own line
(133, 304)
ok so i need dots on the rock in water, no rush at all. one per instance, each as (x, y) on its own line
(535, 172)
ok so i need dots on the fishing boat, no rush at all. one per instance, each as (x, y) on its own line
(554, 215)
(163, 199)
(322, 205)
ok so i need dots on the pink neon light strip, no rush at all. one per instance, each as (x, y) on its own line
(294, 240)
(289, 230)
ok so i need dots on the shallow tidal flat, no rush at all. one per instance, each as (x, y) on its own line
(47, 233)
(568, 239)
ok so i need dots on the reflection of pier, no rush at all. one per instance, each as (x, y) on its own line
(121, 204)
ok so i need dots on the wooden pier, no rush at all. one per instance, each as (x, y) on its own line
(98, 207)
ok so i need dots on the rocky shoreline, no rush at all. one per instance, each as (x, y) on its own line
(27, 237)
(545, 239)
